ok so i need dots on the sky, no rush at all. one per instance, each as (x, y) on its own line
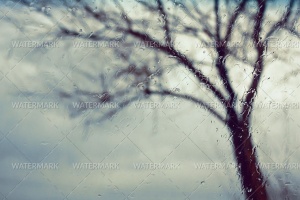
(180, 137)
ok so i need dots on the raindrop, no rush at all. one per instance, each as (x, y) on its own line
(288, 183)
(48, 9)
(176, 90)
(91, 34)
(151, 76)
(141, 86)
(44, 143)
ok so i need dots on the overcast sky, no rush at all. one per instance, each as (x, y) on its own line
(180, 138)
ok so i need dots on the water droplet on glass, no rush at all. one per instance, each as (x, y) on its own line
(141, 86)
(176, 90)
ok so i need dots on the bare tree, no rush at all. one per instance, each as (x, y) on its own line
(159, 26)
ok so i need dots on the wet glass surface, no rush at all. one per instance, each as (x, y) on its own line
(137, 99)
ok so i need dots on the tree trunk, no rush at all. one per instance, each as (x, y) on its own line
(252, 179)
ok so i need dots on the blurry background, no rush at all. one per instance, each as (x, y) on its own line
(184, 135)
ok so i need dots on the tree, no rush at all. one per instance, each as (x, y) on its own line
(219, 23)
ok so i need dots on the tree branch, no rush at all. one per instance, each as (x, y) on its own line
(233, 20)
(283, 20)
(166, 22)
(182, 59)
(190, 98)
(218, 22)
(249, 99)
